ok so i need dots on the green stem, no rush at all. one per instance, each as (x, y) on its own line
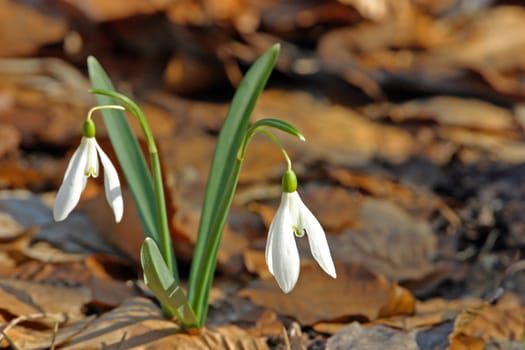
(249, 135)
(206, 270)
(165, 244)
(97, 108)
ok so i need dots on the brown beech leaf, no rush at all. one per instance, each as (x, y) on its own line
(25, 297)
(431, 313)
(497, 147)
(504, 320)
(388, 241)
(9, 227)
(239, 13)
(357, 337)
(414, 199)
(454, 111)
(23, 30)
(334, 133)
(10, 139)
(267, 324)
(355, 294)
(26, 337)
(100, 10)
(138, 322)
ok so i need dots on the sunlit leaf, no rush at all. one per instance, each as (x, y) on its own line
(223, 176)
(161, 282)
(129, 154)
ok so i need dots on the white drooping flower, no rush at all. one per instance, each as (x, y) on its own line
(83, 164)
(293, 219)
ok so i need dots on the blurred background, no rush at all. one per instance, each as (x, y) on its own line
(412, 111)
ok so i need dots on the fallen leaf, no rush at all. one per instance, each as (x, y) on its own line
(334, 133)
(238, 13)
(30, 338)
(26, 297)
(267, 324)
(355, 294)
(430, 313)
(388, 241)
(475, 326)
(101, 11)
(453, 111)
(9, 227)
(354, 336)
(138, 323)
(11, 139)
(23, 29)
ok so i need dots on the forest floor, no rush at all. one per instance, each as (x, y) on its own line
(414, 163)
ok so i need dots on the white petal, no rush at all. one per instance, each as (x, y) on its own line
(282, 256)
(92, 159)
(112, 185)
(316, 238)
(73, 184)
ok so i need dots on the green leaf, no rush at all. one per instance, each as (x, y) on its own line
(278, 124)
(222, 181)
(161, 282)
(128, 152)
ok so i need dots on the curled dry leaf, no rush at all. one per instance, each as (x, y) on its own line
(475, 326)
(23, 336)
(431, 313)
(355, 294)
(138, 322)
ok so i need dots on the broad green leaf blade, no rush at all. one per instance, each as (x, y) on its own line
(160, 281)
(129, 154)
(222, 180)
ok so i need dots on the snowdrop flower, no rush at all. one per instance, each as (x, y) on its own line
(83, 164)
(293, 218)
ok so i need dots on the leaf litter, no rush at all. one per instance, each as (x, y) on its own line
(413, 162)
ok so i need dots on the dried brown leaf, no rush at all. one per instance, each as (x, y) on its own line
(356, 337)
(26, 297)
(141, 322)
(356, 293)
(504, 320)
(23, 29)
(334, 133)
(100, 10)
(388, 241)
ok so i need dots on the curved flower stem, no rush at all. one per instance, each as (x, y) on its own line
(249, 135)
(97, 108)
(165, 244)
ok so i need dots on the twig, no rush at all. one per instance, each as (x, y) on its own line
(124, 336)
(54, 338)
(286, 340)
(9, 340)
(59, 317)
